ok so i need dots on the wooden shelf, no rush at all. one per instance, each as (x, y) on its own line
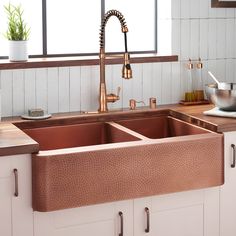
(81, 61)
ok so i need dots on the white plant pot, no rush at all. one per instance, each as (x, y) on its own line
(18, 50)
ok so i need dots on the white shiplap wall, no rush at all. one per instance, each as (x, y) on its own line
(197, 31)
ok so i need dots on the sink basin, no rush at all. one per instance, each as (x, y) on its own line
(79, 135)
(161, 127)
(92, 163)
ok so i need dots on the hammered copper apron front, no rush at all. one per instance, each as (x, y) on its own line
(138, 169)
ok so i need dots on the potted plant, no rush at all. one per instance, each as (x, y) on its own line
(17, 33)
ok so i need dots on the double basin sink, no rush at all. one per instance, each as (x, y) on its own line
(103, 160)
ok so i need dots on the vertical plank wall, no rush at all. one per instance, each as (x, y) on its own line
(197, 30)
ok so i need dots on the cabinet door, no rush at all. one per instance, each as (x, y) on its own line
(5, 197)
(228, 190)
(22, 212)
(193, 213)
(102, 219)
(16, 213)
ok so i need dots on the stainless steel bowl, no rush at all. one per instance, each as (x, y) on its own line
(223, 97)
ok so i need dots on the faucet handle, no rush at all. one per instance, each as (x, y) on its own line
(113, 97)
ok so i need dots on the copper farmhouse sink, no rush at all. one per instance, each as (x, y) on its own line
(90, 163)
(161, 127)
(58, 137)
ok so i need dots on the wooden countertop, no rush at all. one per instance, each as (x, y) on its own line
(194, 115)
(14, 141)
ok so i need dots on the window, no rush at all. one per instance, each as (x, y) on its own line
(140, 17)
(71, 27)
(33, 17)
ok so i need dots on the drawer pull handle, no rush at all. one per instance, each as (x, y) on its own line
(234, 156)
(121, 224)
(16, 183)
(147, 230)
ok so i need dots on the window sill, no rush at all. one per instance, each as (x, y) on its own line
(81, 61)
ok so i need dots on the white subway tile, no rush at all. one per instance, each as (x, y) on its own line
(147, 82)
(53, 90)
(41, 89)
(185, 9)
(64, 89)
(220, 12)
(212, 39)
(30, 89)
(230, 71)
(140, 74)
(75, 88)
(7, 93)
(85, 88)
(203, 44)
(230, 13)
(94, 88)
(175, 8)
(194, 39)
(204, 9)
(18, 93)
(117, 81)
(127, 92)
(194, 9)
(185, 40)
(221, 39)
(157, 83)
(175, 84)
(230, 38)
(166, 83)
(221, 70)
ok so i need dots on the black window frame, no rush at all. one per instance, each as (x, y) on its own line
(44, 36)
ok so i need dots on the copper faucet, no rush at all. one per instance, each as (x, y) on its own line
(104, 98)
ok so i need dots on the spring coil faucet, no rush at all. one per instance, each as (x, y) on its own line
(104, 98)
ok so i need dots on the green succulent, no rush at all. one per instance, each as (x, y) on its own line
(17, 29)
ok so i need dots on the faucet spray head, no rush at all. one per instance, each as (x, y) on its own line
(126, 70)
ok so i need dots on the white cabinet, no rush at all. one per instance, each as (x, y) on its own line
(228, 190)
(16, 214)
(102, 219)
(193, 213)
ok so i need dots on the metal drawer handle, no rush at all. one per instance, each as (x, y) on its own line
(234, 156)
(147, 230)
(121, 224)
(15, 171)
